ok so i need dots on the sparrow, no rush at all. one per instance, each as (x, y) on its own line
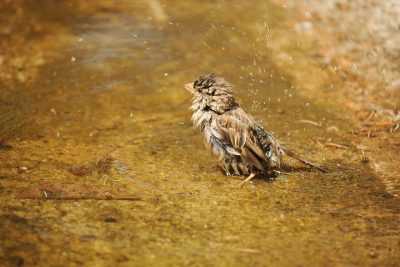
(242, 145)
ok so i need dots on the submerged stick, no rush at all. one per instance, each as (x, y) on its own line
(79, 198)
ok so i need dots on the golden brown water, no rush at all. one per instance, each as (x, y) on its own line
(102, 166)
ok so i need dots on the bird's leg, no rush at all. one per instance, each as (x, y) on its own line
(234, 165)
(226, 167)
(251, 176)
(243, 168)
(230, 164)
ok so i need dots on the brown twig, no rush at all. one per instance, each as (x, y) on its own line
(370, 116)
(369, 133)
(79, 198)
(395, 128)
(382, 124)
(330, 144)
(310, 122)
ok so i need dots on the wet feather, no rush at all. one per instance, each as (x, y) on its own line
(242, 145)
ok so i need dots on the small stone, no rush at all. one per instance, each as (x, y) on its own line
(38, 61)
(21, 77)
(304, 27)
(4, 146)
(110, 220)
(395, 85)
(80, 170)
(332, 129)
(373, 254)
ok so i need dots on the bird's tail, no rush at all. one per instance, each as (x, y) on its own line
(305, 162)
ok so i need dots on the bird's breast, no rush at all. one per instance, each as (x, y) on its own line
(201, 118)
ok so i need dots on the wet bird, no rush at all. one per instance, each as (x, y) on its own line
(243, 146)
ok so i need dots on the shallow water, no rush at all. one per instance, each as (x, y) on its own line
(104, 167)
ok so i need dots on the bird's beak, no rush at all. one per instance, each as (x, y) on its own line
(189, 87)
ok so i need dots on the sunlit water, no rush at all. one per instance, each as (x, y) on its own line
(115, 95)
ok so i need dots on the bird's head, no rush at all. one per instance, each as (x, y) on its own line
(211, 93)
(209, 85)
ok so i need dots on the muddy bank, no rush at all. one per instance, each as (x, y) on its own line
(354, 43)
(359, 39)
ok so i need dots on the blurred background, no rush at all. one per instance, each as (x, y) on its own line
(100, 166)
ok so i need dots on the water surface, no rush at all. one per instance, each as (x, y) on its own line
(104, 135)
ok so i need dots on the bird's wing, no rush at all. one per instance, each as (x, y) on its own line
(236, 127)
(216, 140)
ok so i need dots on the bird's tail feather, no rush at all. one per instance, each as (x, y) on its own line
(304, 161)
